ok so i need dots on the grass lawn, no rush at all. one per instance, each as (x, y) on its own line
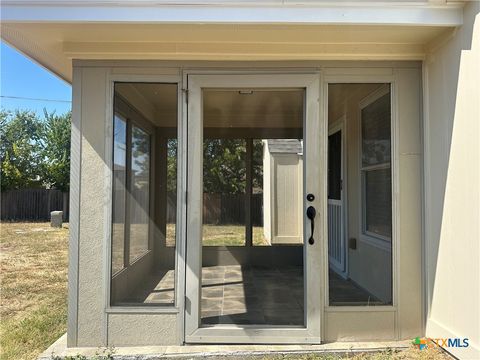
(233, 235)
(223, 235)
(410, 354)
(33, 268)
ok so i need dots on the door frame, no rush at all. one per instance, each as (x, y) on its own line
(334, 127)
(311, 333)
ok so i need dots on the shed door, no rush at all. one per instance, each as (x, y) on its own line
(255, 213)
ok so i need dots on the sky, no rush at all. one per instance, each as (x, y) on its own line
(23, 78)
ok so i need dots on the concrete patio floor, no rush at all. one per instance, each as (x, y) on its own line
(237, 294)
(60, 350)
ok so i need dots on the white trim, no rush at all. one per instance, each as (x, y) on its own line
(265, 12)
(377, 240)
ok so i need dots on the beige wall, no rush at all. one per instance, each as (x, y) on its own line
(452, 184)
(91, 323)
(91, 286)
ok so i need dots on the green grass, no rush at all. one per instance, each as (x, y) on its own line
(411, 353)
(34, 288)
(230, 235)
(223, 235)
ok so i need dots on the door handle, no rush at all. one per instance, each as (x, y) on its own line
(311, 212)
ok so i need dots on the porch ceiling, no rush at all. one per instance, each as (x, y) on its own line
(54, 33)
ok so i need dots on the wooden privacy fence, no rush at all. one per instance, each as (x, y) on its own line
(36, 205)
(33, 204)
(222, 209)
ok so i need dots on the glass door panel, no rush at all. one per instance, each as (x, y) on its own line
(243, 283)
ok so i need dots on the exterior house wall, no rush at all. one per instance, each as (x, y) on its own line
(89, 118)
(219, 37)
(92, 322)
(452, 184)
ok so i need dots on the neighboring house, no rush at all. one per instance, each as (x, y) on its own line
(384, 97)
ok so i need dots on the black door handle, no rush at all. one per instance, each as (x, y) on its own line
(311, 212)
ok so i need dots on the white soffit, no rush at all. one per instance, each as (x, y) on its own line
(55, 32)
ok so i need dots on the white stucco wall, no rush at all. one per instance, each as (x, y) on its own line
(452, 185)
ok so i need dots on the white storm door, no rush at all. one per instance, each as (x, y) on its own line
(224, 109)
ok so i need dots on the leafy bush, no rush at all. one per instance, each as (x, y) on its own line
(34, 152)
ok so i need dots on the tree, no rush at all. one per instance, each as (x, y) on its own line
(55, 144)
(172, 151)
(20, 149)
(224, 166)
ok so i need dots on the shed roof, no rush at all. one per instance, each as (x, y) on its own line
(285, 146)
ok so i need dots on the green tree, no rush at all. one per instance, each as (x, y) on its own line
(55, 150)
(20, 149)
(224, 166)
(172, 145)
